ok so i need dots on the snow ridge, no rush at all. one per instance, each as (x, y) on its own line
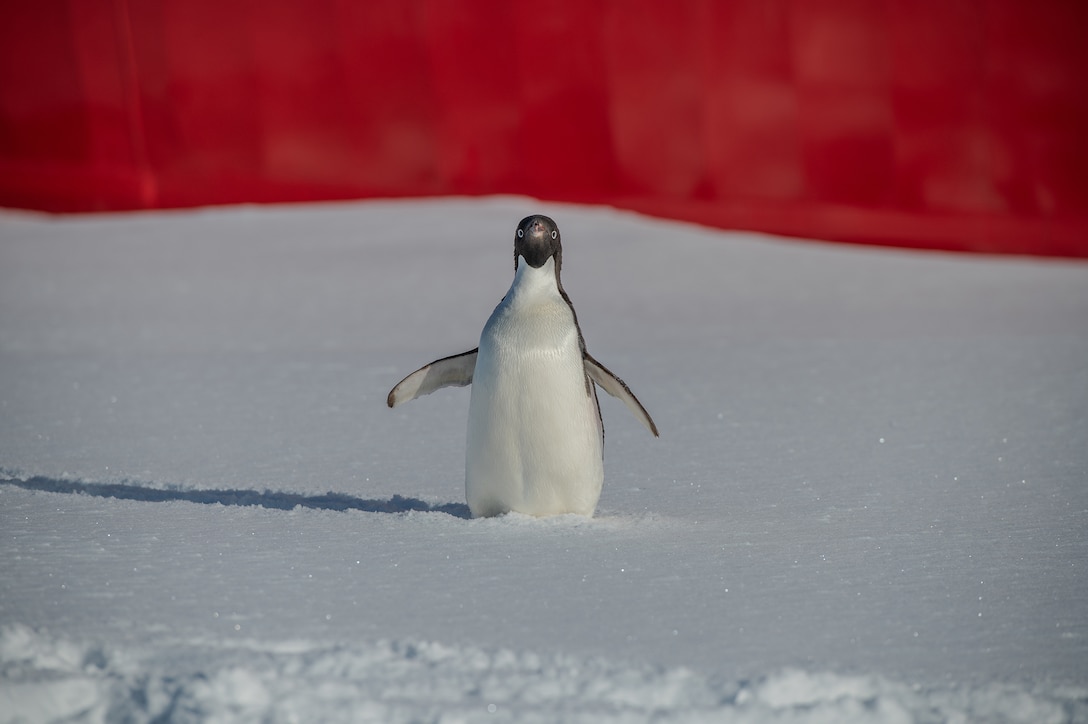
(49, 678)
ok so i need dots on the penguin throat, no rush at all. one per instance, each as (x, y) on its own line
(535, 281)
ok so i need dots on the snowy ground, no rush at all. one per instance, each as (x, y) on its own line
(869, 501)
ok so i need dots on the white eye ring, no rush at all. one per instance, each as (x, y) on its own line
(520, 233)
(555, 234)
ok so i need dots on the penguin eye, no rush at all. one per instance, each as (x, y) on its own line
(555, 234)
(520, 233)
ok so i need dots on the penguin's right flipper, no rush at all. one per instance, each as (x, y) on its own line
(454, 371)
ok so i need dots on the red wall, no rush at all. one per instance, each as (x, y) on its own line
(957, 124)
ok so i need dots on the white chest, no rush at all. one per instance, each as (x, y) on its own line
(534, 435)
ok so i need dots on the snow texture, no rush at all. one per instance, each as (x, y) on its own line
(869, 501)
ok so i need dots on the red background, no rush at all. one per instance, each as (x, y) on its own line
(957, 124)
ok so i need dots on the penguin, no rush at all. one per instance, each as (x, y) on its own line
(535, 442)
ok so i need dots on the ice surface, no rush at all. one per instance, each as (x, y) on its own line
(869, 501)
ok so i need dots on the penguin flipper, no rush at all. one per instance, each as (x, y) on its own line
(618, 388)
(453, 371)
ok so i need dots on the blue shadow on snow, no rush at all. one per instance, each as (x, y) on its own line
(266, 499)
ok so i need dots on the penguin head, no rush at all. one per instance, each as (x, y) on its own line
(536, 240)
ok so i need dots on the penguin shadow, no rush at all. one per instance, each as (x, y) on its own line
(267, 499)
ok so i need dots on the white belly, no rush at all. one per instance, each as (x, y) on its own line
(534, 435)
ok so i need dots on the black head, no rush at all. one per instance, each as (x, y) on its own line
(536, 240)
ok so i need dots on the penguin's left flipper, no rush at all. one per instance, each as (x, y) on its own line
(618, 388)
(454, 371)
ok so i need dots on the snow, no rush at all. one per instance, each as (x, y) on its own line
(869, 501)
